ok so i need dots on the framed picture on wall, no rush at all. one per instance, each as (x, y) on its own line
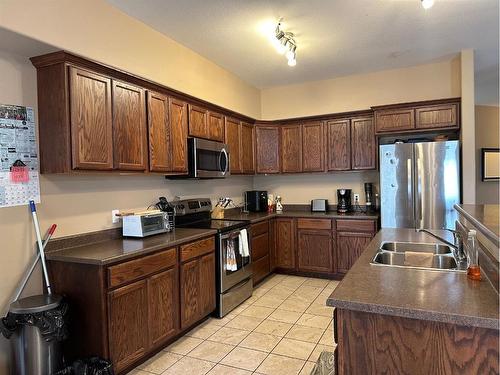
(490, 159)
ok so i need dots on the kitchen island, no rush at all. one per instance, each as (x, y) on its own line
(401, 320)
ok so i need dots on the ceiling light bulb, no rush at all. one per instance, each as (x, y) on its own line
(290, 54)
(292, 62)
(427, 4)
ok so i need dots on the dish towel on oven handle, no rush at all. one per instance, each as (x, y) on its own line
(231, 256)
(243, 244)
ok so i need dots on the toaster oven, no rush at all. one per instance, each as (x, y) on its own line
(145, 224)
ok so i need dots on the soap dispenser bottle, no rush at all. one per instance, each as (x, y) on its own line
(473, 269)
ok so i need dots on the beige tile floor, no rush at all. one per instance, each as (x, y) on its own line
(280, 330)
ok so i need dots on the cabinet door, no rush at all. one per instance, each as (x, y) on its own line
(247, 147)
(91, 120)
(285, 243)
(159, 133)
(267, 140)
(363, 143)
(215, 127)
(394, 120)
(163, 299)
(349, 247)
(198, 122)
(129, 127)
(233, 139)
(338, 145)
(272, 245)
(178, 128)
(207, 284)
(313, 147)
(291, 148)
(437, 116)
(190, 293)
(127, 324)
(314, 250)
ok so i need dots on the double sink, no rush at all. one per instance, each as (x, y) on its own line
(432, 256)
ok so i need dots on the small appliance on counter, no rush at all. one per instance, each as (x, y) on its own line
(145, 223)
(344, 200)
(319, 205)
(256, 200)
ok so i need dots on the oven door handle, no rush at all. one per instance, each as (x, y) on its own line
(224, 169)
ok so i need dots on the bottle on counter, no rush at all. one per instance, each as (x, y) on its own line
(279, 206)
(473, 269)
(270, 203)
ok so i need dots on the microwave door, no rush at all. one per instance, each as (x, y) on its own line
(211, 159)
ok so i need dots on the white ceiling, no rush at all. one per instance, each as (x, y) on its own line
(334, 37)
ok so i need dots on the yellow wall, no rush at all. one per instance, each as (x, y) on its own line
(487, 135)
(97, 30)
(358, 92)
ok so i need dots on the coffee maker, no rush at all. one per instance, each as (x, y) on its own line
(343, 200)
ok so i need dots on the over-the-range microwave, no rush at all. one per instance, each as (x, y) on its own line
(207, 159)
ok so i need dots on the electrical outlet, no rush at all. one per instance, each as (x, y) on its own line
(114, 218)
(356, 197)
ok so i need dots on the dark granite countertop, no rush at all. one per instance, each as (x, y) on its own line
(255, 217)
(485, 217)
(412, 293)
(118, 249)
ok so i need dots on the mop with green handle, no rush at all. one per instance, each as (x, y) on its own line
(40, 245)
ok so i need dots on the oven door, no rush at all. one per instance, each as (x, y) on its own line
(229, 278)
(209, 159)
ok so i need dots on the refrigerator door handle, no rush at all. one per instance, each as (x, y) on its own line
(418, 198)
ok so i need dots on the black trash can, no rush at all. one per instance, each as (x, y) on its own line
(36, 326)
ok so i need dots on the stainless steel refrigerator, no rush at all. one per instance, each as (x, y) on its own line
(419, 184)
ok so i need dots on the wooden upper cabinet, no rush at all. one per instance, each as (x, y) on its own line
(91, 120)
(233, 139)
(178, 129)
(247, 148)
(267, 139)
(394, 120)
(285, 243)
(198, 122)
(313, 150)
(215, 127)
(363, 144)
(128, 322)
(160, 150)
(129, 127)
(338, 145)
(291, 148)
(437, 116)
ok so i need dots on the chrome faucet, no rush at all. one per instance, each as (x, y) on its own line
(457, 246)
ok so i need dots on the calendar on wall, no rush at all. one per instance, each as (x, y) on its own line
(19, 178)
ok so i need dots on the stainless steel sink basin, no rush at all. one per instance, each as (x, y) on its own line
(395, 254)
(389, 258)
(402, 247)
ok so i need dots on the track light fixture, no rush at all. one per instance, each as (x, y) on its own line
(285, 44)
(427, 4)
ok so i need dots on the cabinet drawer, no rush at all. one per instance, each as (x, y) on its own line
(314, 224)
(260, 246)
(260, 269)
(137, 268)
(356, 225)
(198, 248)
(260, 228)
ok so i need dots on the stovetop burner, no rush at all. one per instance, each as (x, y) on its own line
(216, 224)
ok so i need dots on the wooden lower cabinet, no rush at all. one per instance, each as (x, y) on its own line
(128, 324)
(163, 299)
(310, 246)
(197, 289)
(285, 243)
(260, 246)
(314, 250)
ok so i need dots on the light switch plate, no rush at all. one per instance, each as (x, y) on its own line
(114, 218)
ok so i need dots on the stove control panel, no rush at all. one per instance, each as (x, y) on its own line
(192, 206)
